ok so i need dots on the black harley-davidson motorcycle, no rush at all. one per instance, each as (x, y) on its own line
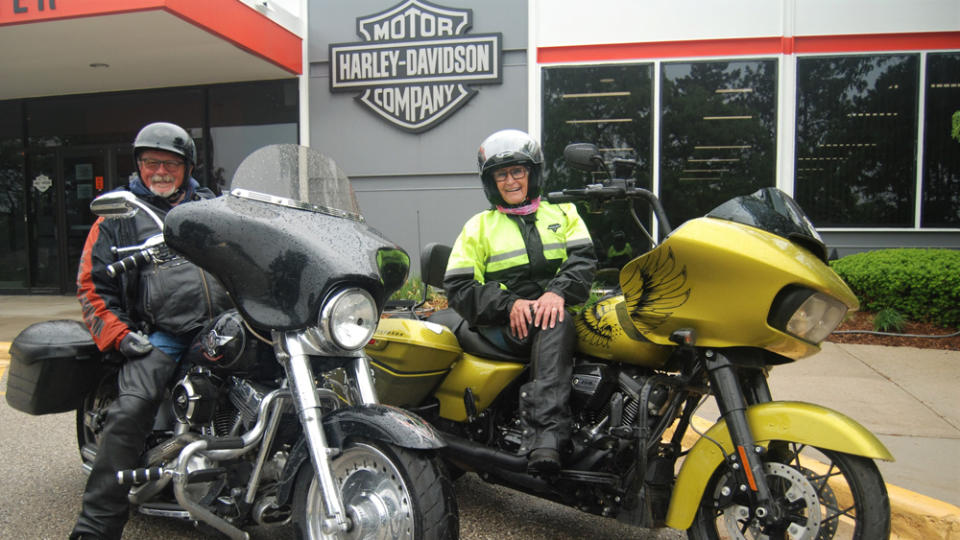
(273, 416)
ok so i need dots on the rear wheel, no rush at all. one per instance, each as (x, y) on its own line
(93, 410)
(388, 492)
(822, 494)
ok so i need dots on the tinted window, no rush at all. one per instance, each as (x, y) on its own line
(718, 133)
(941, 137)
(857, 139)
(13, 249)
(609, 106)
(245, 117)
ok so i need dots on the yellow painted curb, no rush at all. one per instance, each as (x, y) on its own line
(916, 516)
(4, 352)
(913, 516)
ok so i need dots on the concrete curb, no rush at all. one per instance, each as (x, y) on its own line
(913, 516)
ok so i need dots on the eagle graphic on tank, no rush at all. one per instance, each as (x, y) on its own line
(653, 287)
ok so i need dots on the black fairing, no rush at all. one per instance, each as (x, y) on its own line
(773, 211)
(277, 262)
(279, 257)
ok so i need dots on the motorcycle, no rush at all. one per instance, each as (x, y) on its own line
(706, 313)
(273, 416)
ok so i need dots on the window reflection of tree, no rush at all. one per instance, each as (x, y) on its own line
(610, 107)
(856, 135)
(718, 133)
(941, 156)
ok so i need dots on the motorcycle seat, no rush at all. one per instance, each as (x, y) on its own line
(471, 341)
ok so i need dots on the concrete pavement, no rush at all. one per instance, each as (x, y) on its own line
(908, 397)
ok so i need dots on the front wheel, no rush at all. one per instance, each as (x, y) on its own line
(388, 492)
(822, 495)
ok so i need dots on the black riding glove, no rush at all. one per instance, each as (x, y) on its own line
(135, 345)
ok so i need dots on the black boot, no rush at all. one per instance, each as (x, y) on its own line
(129, 420)
(544, 401)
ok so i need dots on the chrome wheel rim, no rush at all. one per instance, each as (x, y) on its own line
(375, 496)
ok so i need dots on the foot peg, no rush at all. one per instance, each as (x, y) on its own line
(135, 477)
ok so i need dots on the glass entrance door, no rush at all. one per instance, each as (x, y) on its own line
(44, 187)
(84, 173)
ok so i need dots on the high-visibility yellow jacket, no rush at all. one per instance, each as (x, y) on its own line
(499, 258)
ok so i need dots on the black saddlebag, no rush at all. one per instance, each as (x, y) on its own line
(52, 365)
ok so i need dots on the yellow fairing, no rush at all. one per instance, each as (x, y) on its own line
(485, 378)
(720, 278)
(793, 421)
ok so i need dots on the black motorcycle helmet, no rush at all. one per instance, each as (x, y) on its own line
(168, 137)
(509, 147)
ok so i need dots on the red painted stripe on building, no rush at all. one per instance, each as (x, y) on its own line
(750, 47)
(230, 20)
(662, 49)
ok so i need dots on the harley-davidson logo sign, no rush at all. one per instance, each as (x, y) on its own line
(415, 62)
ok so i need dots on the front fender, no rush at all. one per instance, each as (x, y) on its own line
(382, 423)
(377, 422)
(793, 421)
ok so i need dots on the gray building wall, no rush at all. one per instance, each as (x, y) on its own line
(415, 188)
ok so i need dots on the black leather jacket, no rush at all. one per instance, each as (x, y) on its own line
(174, 296)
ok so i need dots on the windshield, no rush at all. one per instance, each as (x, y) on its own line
(296, 176)
(773, 211)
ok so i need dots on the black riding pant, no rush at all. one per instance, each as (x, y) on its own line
(545, 399)
(129, 420)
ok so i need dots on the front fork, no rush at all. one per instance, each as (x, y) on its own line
(296, 362)
(745, 461)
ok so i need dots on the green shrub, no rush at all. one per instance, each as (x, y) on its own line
(412, 289)
(889, 320)
(921, 284)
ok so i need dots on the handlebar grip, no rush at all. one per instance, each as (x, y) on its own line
(128, 263)
(560, 197)
(132, 477)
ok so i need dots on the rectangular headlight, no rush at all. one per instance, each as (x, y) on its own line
(816, 318)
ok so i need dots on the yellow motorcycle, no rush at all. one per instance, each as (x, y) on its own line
(707, 312)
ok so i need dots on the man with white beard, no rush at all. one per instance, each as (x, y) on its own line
(149, 315)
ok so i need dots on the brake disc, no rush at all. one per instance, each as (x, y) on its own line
(791, 485)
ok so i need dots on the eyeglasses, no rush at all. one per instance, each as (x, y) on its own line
(517, 173)
(154, 164)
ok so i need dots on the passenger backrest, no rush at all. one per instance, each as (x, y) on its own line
(433, 263)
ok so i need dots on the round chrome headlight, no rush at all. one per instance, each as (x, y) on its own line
(349, 318)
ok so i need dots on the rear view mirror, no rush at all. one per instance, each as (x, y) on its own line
(121, 204)
(583, 156)
(116, 204)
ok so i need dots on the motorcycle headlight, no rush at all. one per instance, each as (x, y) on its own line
(808, 315)
(349, 318)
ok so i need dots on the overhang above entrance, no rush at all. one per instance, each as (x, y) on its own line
(57, 47)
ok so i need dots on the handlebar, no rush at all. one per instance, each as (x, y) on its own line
(130, 262)
(607, 192)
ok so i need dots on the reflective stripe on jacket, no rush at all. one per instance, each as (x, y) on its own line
(499, 258)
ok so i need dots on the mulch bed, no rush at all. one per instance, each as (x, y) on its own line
(863, 320)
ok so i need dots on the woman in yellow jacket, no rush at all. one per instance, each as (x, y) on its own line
(512, 272)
